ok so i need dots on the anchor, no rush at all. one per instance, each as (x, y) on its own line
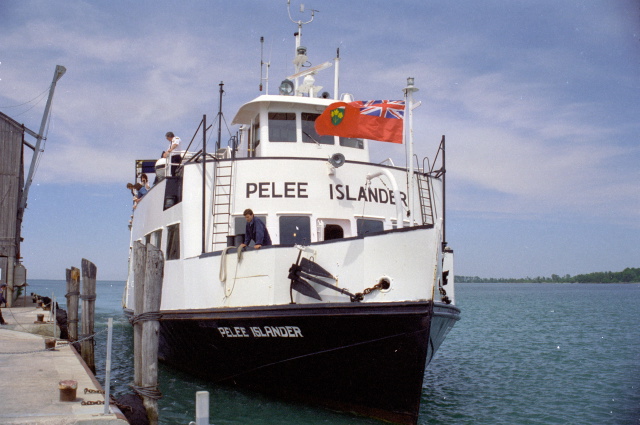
(305, 270)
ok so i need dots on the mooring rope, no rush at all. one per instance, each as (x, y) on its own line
(150, 391)
(145, 317)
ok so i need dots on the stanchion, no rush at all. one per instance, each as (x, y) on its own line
(202, 408)
(107, 373)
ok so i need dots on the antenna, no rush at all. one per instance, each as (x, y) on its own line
(262, 62)
(220, 117)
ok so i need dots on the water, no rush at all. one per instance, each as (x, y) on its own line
(522, 354)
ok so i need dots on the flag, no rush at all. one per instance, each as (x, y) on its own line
(380, 120)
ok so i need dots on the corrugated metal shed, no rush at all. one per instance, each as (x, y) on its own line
(11, 187)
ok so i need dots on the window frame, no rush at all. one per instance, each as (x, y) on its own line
(172, 251)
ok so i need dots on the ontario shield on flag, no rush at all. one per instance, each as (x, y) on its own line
(337, 115)
(381, 120)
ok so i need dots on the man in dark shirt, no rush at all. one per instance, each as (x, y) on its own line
(255, 230)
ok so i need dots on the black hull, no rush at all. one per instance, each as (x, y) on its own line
(362, 358)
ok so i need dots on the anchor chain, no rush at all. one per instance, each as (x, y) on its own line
(91, 403)
(359, 296)
(112, 400)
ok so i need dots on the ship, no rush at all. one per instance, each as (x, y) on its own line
(348, 305)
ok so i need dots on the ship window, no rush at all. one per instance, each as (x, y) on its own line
(156, 238)
(369, 226)
(173, 242)
(309, 134)
(295, 230)
(333, 231)
(352, 143)
(282, 127)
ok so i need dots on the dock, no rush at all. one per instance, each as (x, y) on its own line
(30, 375)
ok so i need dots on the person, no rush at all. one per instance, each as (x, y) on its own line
(175, 144)
(2, 301)
(135, 192)
(144, 186)
(255, 230)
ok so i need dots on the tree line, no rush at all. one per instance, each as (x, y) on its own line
(627, 275)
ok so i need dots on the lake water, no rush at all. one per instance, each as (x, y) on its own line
(521, 354)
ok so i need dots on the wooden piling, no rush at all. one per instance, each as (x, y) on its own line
(73, 291)
(89, 272)
(154, 273)
(139, 266)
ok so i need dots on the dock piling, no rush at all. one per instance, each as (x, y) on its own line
(148, 276)
(73, 291)
(154, 273)
(139, 266)
(88, 297)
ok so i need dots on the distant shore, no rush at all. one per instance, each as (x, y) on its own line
(628, 275)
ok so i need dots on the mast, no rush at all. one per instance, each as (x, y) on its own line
(220, 117)
(204, 179)
(336, 76)
(301, 51)
(262, 62)
(408, 92)
(59, 72)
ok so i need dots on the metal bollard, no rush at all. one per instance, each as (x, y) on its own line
(68, 390)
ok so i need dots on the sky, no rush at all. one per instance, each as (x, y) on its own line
(539, 101)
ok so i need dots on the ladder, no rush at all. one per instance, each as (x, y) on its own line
(222, 183)
(426, 203)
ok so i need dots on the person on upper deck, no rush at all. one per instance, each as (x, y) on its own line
(255, 230)
(173, 158)
(144, 181)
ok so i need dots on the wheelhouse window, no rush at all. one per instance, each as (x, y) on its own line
(309, 134)
(282, 127)
(173, 242)
(295, 230)
(352, 143)
(366, 226)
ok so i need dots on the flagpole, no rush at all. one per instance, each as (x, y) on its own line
(408, 92)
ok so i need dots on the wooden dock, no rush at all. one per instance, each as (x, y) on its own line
(30, 376)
